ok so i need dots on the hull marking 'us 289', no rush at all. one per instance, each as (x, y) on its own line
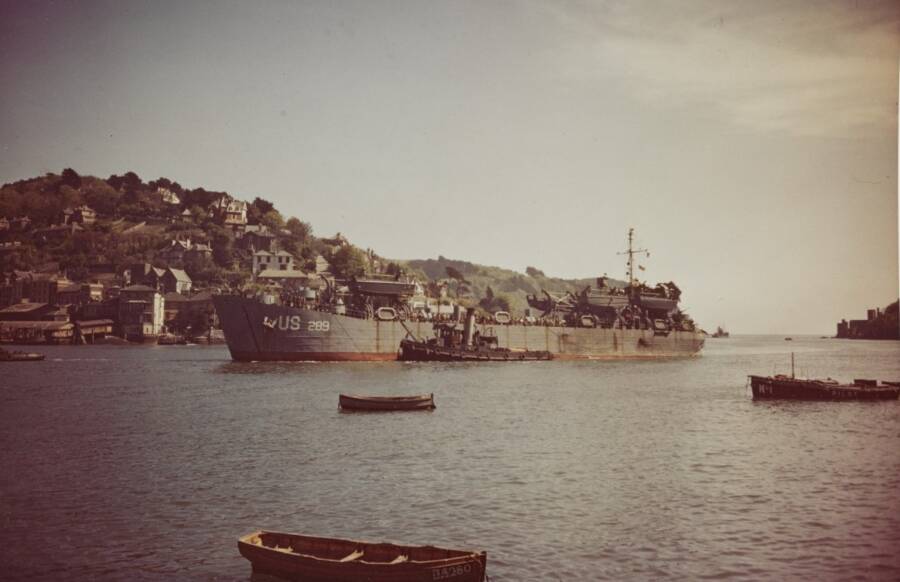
(295, 323)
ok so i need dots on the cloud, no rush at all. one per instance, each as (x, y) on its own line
(820, 69)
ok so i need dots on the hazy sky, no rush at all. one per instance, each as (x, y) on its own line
(752, 145)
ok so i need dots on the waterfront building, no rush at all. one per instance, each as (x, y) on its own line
(141, 313)
(32, 332)
(68, 292)
(29, 311)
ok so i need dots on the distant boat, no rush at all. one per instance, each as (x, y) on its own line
(307, 558)
(386, 403)
(15, 356)
(788, 339)
(720, 332)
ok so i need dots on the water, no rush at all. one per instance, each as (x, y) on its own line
(146, 463)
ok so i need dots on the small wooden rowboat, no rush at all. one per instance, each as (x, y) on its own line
(314, 559)
(14, 356)
(386, 403)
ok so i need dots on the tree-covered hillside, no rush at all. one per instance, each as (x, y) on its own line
(137, 221)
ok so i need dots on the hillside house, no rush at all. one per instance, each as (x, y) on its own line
(257, 237)
(322, 265)
(20, 224)
(168, 197)
(275, 261)
(230, 212)
(175, 281)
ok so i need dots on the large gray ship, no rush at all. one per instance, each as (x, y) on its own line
(367, 320)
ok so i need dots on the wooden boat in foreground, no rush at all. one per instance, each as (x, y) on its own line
(386, 403)
(790, 388)
(15, 356)
(315, 559)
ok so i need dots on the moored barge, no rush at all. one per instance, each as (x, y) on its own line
(781, 387)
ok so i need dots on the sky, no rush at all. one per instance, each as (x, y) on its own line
(751, 145)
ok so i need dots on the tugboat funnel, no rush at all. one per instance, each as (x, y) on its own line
(469, 327)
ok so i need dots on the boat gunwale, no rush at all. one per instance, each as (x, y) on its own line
(464, 556)
(379, 399)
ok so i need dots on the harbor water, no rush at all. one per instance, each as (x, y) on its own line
(147, 463)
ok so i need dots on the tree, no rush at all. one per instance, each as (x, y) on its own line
(264, 206)
(492, 302)
(300, 231)
(273, 220)
(71, 178)
(532, 272)
(348, 261)
(131, 181)
(455, 274)
(223, 254)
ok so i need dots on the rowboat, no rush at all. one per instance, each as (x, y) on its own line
(386, 403)
(14, 356)
(316, 559)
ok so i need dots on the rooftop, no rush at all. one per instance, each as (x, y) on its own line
(276, 274)
(23, 307)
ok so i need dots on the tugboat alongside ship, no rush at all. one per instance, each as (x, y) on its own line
(369, 318)
(455, 343)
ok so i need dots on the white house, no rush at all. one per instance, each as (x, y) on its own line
(168, 197)
(230, 211)
(274, 261)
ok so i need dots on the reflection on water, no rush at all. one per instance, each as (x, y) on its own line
(148, 463)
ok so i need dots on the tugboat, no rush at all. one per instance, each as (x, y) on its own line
(455, 344)
(13, 356)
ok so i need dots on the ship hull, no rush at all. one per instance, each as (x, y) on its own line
(258, 332)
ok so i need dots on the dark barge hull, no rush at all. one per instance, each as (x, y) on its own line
(766, 387)
(259, 332)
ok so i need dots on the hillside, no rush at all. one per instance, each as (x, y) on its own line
(472, 281)
(84, 225)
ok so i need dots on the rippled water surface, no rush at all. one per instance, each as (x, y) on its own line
(146, 463)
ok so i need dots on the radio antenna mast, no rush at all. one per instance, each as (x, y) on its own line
(631, 252)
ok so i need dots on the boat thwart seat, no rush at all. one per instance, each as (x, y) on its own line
(355, 555)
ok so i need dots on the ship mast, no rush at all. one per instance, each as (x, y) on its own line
(631, 252)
